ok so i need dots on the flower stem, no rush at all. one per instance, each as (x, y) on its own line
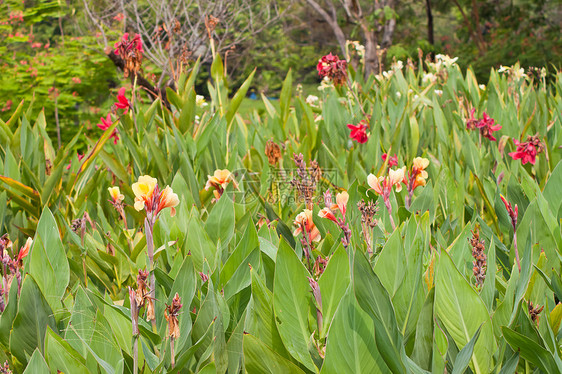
(516, 251)
(148, 229)
(135, 325)
(172, 352)
(389, 208)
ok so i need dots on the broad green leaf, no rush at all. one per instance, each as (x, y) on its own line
(259, 359)
(333, 285)
(47, 261)
(62, 356)
(220, 224)
(36, 364)
(351, 346)
(373, 299)
(462, 312)
(292, 300)
(463, 358)
(531, 351)
(33, 317)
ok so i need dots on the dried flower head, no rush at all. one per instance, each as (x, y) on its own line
(273, 152)
(479, 254)
(534, 311)
(131, 52)
(171, 314)
(306, 180)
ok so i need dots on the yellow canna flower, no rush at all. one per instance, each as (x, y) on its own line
(116, 194)
(144, 190)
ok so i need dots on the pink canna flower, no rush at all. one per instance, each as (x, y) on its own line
(392, 161)
(527, 151)
(486, 125)
(359, 132)
(304, 221)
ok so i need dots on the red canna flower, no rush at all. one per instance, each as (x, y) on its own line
(527, 151)
(105, 124)
(332, 67)
(393, 161)
(359, 131)
(512, 211)
(122, 101)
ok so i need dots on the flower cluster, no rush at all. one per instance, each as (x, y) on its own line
(14, 265)
(486, 125)
(359, 131)
(332, 67)
(479, 254)
(527, 151)
(219, 180)
(150, 198)
(131, 52)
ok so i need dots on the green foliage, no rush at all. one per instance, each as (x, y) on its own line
(406, 302)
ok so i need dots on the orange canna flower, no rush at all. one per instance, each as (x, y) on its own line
(327, 213)
(24, 251)
(304, 220)
(168, 199)
(341, 202)
(219, 180)
(418, 169)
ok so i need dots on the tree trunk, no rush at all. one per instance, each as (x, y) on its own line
(430, 35)
(332, 20)
(372, 64)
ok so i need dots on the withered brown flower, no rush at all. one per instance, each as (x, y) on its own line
(171, 314)
(273, 152)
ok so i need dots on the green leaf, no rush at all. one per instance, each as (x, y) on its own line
(62, 356)
(285, 97)
(36, 364)
(260, 320)
(201, 246)
(32, 319)
(373, 298)
(220, 224)
(531, 351)
(463, 358)
(258, 359)
(184, 285)
(47, 261)
(291, 300)
(238, 97)
(351, 346)
(333, 283)
(423, 342)
(462, 312)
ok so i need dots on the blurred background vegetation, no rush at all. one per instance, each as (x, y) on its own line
(57, 54)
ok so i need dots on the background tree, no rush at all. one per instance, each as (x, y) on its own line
(375, 19)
